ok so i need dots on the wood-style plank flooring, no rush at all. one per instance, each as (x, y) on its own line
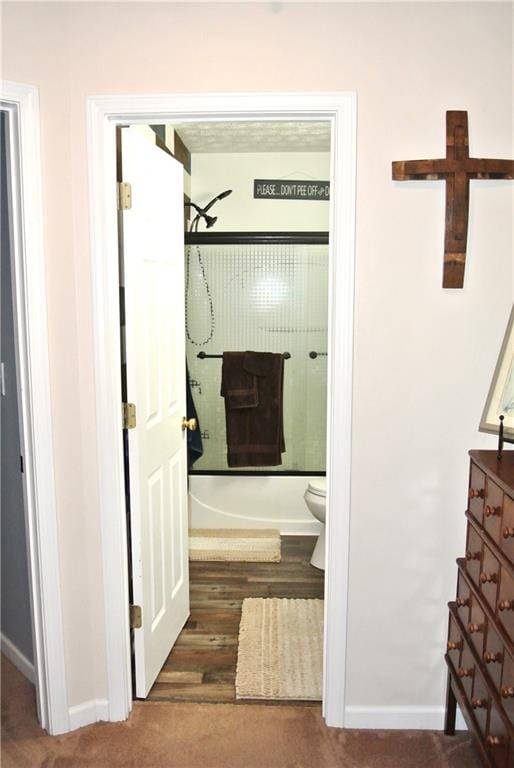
(202, 664)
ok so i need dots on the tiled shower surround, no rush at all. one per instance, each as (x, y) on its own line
(266, 298)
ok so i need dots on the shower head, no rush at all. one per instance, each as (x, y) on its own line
(201, 213)
(226, 193)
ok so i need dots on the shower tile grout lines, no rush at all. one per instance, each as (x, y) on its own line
(202, 665)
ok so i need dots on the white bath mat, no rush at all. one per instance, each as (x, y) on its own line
(280, 653)
(235, 545)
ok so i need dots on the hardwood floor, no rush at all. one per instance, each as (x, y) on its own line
(202, 664)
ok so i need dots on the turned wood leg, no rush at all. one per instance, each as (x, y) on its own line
(451, 709)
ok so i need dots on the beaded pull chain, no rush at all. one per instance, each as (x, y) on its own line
(208, 293)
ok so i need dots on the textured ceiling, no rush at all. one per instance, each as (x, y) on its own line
(256, 136)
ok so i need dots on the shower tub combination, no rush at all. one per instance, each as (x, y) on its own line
(264, 292)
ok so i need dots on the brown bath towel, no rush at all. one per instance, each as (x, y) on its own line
(252, 385)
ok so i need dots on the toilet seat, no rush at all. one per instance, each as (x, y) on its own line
(318, 486)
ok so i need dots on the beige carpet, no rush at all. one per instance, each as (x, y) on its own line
(280, 652)
(234, 545)
(176, 735)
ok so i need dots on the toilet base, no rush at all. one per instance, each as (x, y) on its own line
(318, 555)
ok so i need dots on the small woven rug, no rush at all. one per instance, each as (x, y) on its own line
(234, 545)
(280, 653)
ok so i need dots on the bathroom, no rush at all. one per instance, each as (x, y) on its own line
(256, 278)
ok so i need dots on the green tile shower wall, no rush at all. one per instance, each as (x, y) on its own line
(265, 298)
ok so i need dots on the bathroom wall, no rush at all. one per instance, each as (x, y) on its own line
(423, 356)
(211, 173)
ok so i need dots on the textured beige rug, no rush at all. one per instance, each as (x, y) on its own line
(280, 653)
(235, 545)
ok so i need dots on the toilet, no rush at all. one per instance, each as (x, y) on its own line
(315, 498)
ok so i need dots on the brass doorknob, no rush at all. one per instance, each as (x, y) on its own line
(190, 424)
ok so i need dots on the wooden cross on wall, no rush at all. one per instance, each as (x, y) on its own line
(456, 170)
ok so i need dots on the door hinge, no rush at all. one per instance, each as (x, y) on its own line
(136, 620)
(129, 415)
(124, 196)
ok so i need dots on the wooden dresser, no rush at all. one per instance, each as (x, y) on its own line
(480, 654)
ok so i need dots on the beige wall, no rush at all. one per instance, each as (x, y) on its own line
(423, 356)
(213, 172)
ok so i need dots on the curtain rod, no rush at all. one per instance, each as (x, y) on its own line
(244, 238)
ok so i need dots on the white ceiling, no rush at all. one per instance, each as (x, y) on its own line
(264, 136)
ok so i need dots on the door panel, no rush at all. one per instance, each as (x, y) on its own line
(153, 256)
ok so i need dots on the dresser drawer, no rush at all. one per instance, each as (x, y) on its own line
(507, 528)
(506, 602)
(463, 600)
(477, 626)
(497, 740)
(476, 493)
(466, 671)
(493, 511)
(489, 577)
(507, 686)
(473, 555)
(480, 701)
(455, 643)
(493, 656)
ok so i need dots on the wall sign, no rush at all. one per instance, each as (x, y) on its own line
(282, 189)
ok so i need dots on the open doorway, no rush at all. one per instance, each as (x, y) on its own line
(16, 625)
(256, 508)
(104, 114)
(38, 648)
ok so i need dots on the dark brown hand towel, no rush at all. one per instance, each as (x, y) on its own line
(255, 433)
(238, 386)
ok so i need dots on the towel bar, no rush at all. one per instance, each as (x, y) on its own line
(204, 355)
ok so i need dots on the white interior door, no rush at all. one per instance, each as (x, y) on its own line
(153, 254)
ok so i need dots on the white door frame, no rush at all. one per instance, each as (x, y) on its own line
(104, 113)
(21, 104)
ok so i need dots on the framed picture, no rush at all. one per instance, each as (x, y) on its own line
(500, 400)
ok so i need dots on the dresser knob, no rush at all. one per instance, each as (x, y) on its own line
(488, 578)
(462, 602)
(506, 605)
(508, 533)
(507, 692)
(492, 511)
(472, 555)
(465, 671)
(490, 657)
(454, 645)
(494, 741)
(478, 703)
(476, 493)
(473, 628)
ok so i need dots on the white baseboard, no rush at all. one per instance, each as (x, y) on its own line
(89, 712)
(365, 718)
(399, 718)
(17, 658)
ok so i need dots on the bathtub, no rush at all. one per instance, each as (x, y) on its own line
(264, 501)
